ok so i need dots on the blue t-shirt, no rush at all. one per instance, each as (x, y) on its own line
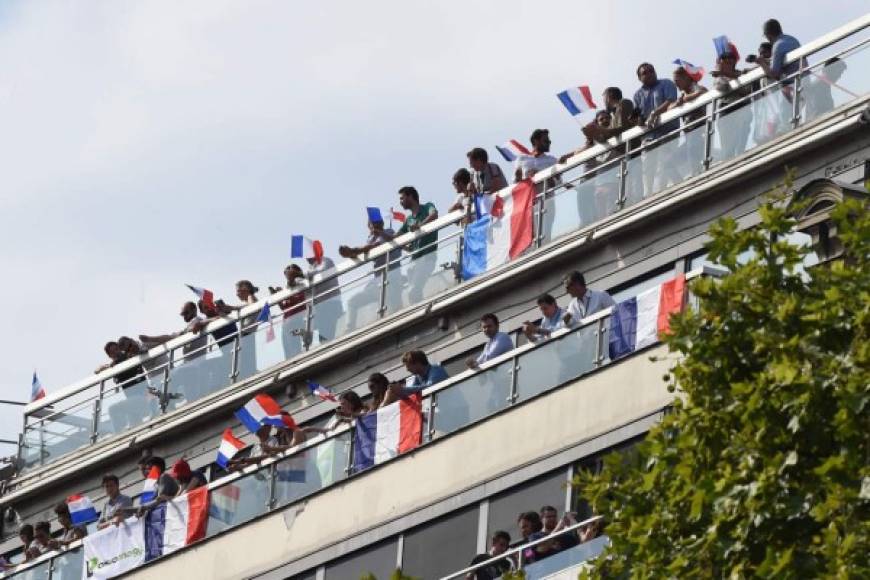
(416, 383)
(784, 45)
(498, 344)
(648, 99)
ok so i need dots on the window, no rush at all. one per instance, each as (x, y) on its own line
(379, 559)
(441, 547)
(550, 489)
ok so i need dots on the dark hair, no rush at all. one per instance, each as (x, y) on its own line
(462, 175)
(533, 518)
(247, 284)
(62, 509)
(417, 356)
(773, 27)
(410, 190)
(158, 461)
(643, 64)
(548, 508)
(379, 379)
(295, 268)
(478, 153)
(111, 477)
(44, 526)
(26, 530)
(576, 277)
(352, 398)
(489, 316)
(502, 535)
(537, 134)
(613, 93)
(546, 299)
(108, 344)
(765, 46)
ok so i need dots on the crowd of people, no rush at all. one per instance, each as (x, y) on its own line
(532, 526)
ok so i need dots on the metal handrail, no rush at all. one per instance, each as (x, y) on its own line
(445, 221)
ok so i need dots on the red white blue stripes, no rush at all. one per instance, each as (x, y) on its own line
(207, 296)
(322, 392)
(81, 510)
(302, 247)
(723, 44)
(696, 73)
(149, 486)
(640, 321)
(512, 149)
(577, 100)
(177, 523)
(36, 390)
(259, 411)
(229, 447)
(386, 433)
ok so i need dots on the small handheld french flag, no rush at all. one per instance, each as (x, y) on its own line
(265, 316)
(259, 411)
(36, 390)
(207, 296)
(398, 216)
(149, 486)
(374, 215)
(577, 100)
(696, 73)
(81, 510)
(723, 45)
(230, 445)
(321, 391)
(302, 247)
(512, 149)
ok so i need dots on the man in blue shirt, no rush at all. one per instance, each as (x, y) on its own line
(423, 375)
(775, 68)
(498, 342)
(652, 99)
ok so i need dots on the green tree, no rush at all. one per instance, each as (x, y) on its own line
(761, 470)
(396, 575)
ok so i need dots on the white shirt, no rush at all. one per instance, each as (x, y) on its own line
(551, 324)
(498, 344)
(530, 164)
(592, 302)
(323, 289)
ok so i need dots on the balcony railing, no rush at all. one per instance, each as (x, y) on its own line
(462, 400)
(591, 187)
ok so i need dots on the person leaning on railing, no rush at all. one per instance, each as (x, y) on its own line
(584, 301)
(497, 343)
(350, 406)
(423, 374)
(651, 100)
(71, 533)
(551, 319)
(692, 149)
(378, 385)
(116, 502)
(499, 544)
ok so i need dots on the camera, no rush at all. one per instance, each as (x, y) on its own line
(751, 58)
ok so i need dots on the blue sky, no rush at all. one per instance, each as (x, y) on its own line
(148, 144)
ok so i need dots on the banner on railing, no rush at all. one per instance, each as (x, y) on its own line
(641, 320)
(114, 550)
(388, 432)
(501, 236)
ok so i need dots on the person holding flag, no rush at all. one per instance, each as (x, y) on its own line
(71, 531)
(691, 153)
(733, 122)
(327, 293)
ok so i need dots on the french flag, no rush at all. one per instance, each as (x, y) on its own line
(225, 503)
(174, 524)
(302, 247)
(287, 421)
(386, 433)
(207, 296)
(36, 390)
(501, 236)
(723, 45)
(265, 317)
(640, 321)
(512, 149)
(577, 100)
(259, 411)
(81, 510)
(321, 391)
(398, 216)
(230, 445)
(696, 73)
(149, 486)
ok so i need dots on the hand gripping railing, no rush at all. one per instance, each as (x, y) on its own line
(82, 414)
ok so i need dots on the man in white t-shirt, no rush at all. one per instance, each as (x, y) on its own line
(539, 159)
(585, 301)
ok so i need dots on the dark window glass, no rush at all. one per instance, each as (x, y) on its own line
(438, 548)
(550, 489)
(379, 559)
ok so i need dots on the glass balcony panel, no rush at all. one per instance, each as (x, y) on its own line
(292, 329)
(304, 473)
(562, 561)
(68, 566)
(353, 305)
(556, 362)
(128, 405)
(659, 166)
(39, 572)
(474, 398)
(237, 502)
(834, 81)
(751, 121)
(199, 371)
(413, 278)
(66, 431)
(576, 205)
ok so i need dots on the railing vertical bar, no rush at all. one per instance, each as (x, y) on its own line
(709, 127)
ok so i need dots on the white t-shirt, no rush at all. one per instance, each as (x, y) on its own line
(592, 302)
(530, 164)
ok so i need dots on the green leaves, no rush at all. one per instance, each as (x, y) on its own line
(762, 468)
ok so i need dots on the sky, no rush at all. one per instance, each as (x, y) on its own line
(144, 145)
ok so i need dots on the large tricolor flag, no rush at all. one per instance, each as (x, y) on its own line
(696, 73)
(321, 391)
(149, 486)
(386, 433)
(501, 236)
(177, 523)
(302, 247)
(640, 321)
(577, 100)
(207, 296)
(723, 45)
(36, 389)
(265, 317)
(230, 445)
(224, 502)
(512, 149)
(81, 510)
(259, 411)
